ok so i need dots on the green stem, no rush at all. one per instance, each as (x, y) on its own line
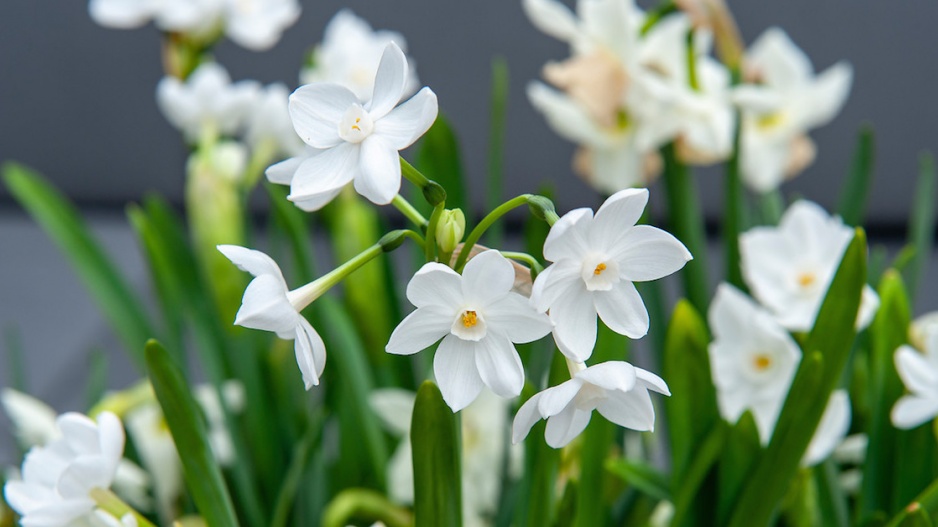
(532, 262)
(432, 191)
(409, 211)
(298, 465)
(688, 225)
(927, 500)
(483, 226)
(365, 504)
(305, 295)
(734, 220)
(430, 246)
(111, 504)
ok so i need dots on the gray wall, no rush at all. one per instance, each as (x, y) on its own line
(76, 100)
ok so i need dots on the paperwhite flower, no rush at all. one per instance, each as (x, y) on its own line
(58, 478)
(478, 318)
(752, 360)
(785, 102)
(919, 373)
(360, 142)
(596, 260)
(618, 390)
(258, 24)
(268, 121)
(207, 102)
(33, 420)
(831, 430)
(268, 305)
(349, 55)
(123, 14)
(790, 267)
(484, 428)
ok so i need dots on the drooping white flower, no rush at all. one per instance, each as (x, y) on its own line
(258, 24)
(484, 428)
(268, 305)
(207, 102)
(360, 142)
(831, 430)
(350, 53)
(786, 100)
(752, 360)
(478, 318)
(919, 372)
(616, 389)
(58, 478)
(596, 260)
(268, 122)
(790, 267)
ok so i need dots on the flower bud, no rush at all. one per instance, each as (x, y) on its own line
(450, 229)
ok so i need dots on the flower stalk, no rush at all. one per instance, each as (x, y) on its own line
(113, 505)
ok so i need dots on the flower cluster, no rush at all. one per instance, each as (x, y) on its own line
(634, 83)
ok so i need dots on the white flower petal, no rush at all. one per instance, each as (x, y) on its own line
(418, 330)
(282, 173)
(321, 176)
(436, 284)
(648, 253)
(652, 381)
(563, 427)
(778, 60)
(632, 409)
(514, 316)
(488, 277)
(574, 318)
(554, 400)
(317, 109)
(454, 366)
(621, 308)
(911, 411)
(120, 14)
(616, 216)
(827, 96)
(564, 116)
(251, 261)
(389, 82)
(265, 306)
(499, 365)
(552, 18)
(310, 353)
(525, 419)
(395, 407)
(569, 236)
(612, 375)
(406, 123)
(831, 430)
(553, 282)
(918, 375)
(380, 176)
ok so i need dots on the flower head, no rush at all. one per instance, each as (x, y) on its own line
(785, 101)
(258, 24)
(268, 305)
(596, 260)
(790, 267)
(58, 478)
(752, 360)
(359, 142)
(919, 372)
(618, 390)
(478, 318)
(269, 121)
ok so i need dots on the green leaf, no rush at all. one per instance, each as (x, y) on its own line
(67, 229)
(187, 426)
(832, 499)
(704, 457)
(735, 215)
(856, 190)
(819, 373)
(927, 501)
(921, 224)
(644, 477)
(498, 109)
(741, 450)
(435, 436)
(438, 157)
(917, 518)
(299, 462)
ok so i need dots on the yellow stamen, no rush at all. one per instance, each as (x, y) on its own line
(469, 319)
(599, 269)
(806, 279)
(355, 126)
(762, 362)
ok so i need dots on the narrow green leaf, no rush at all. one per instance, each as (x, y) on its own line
(927, 500)
(187, 426)
(921, 224)
(831, 497)
(855, 194)
(740, 451)
(435, 436)
(439, 158)
(705, 456)
(644, 477)
(735, 215)
(917, 518)
(498, 109)
(298, 464)
(67, 229)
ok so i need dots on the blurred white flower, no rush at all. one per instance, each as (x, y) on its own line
(790, 267)
(268, 305)
(58, 478)
(618, 390)
(127, 520)
(919, 373)
(349, 55)
(207, 103)
(33, 420)
(478, 318)
(225, 160)
(596, 260)
(268, 121)
(752, 360)
(921, 327)
(831, 430)
(785, 101)
(258, 24)
(123, 14)
(484, 430)
(360, 142)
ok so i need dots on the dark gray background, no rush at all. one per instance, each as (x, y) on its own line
(77, 103)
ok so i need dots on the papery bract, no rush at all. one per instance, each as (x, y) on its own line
(478, 318)
(617, 390)
(596, 260)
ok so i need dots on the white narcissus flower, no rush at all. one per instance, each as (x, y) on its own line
(616, 389)
(596, 260)
(786, 101)
(270, 306)
(349, 55)
(919, 372)
(58, 478)
(360, 142)
(207, 102)
(258, 24)
(478, 318)
(268, 122)
(831, 430)
(752, 360)
(790, 267)
(123, 14)
(33, 420)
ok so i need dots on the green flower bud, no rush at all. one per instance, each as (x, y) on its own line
(450, 229)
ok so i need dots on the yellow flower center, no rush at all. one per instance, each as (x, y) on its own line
(355, 126)
(762, 362)
(599, 269)
(770, 120)
(806, 279)
(470, 319)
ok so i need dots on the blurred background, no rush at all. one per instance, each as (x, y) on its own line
(77, 104)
